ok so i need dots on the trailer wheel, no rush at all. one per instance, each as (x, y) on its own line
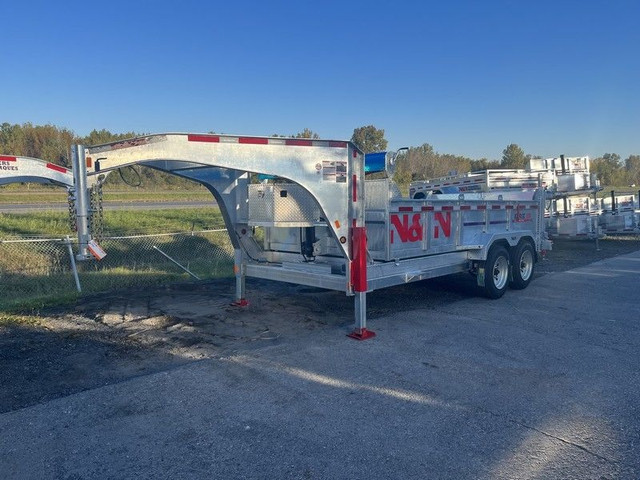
(522, 265)
(496, 269)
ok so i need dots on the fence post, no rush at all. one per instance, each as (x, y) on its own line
(74, 269)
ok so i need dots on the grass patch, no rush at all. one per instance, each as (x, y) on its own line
(38, 273)
(10, 319)
(60, 196)
(117, 222)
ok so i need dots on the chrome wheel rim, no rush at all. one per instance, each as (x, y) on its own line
(526, 264)
(500, 272)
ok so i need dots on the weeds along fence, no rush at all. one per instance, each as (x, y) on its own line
(39, 270)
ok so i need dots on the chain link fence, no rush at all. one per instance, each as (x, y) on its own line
(40, 269)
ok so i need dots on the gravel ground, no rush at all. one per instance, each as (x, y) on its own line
(107, 339)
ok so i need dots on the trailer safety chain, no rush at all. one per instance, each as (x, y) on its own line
(71, 198)
(96, 220)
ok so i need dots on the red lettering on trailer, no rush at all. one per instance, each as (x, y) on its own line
(444, 219)
(407, 232)
(520, 216)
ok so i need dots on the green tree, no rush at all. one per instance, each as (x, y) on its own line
(513, 157)
(98, 137)
(46, 142)
(609, 170)
(306, 133)
(369, 139)
(632, 166)
(403, 175)
(484, 164)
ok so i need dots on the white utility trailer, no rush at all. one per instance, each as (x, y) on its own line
(563, 176)
(572, 208)
(482, 181)
(620, 213)
(303, 211)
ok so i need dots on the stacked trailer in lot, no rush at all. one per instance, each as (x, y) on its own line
(319, 222)
(483, 181)
(572, 209)
(573, 216)
(620, 213)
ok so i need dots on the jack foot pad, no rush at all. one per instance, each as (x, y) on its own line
(243, 302)
(361, 334)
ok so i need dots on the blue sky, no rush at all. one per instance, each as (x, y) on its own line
(468, 77)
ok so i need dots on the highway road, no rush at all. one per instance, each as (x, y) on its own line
(63, 206)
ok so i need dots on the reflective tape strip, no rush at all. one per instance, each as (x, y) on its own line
(292, 142)
(298, 143)
(57, 168)
(254, 140)
(6, 158)
(203, 138)
(354, 180)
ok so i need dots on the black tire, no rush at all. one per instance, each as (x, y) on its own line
(496, 272)
(523, 262)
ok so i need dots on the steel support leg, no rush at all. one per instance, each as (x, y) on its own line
(360, 332)
(239, 271)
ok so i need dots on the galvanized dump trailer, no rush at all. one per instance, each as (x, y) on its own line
(311, 217)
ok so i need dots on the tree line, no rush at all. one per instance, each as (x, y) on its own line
(423, 162)
(52, 143)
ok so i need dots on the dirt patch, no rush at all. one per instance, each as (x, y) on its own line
(114, 337)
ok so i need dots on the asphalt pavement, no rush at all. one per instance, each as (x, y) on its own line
(543, 383)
